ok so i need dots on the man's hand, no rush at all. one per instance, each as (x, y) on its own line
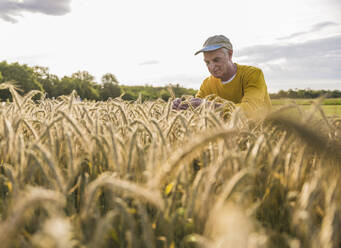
(182, 104)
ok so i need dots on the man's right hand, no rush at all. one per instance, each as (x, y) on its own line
(181, 104)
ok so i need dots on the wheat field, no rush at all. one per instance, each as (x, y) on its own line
(139, 174)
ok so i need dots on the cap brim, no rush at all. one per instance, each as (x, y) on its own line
(209, 48)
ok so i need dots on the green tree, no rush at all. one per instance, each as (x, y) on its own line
(49, 82)
(109, 78)
(66, 86)
(109, 87)
(147, 95)
(128, 96)
(22, 75)
(282, 94)
(83, 75)
(164, 94)
(335, 94)
(292, 93)
(85, 85)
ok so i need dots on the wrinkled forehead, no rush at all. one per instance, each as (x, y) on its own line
(221, 52)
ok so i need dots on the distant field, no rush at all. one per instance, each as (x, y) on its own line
(329, 101)
(330, 106)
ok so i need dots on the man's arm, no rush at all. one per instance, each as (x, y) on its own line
(204, 90)
(256, 99)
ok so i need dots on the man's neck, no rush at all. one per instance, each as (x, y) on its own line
(231, 74)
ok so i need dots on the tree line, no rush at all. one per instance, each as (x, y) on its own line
(306, 93)
(27, 78)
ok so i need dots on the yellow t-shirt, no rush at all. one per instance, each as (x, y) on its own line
(247, 90)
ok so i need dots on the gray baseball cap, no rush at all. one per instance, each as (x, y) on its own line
(215, 42)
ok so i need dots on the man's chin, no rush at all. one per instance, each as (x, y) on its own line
(216, 75)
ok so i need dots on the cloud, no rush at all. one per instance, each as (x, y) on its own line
(9, 9)
(321, 25)
(150, 62)
(315, 28)
(335, 3)
(311, 60)
(29, 58)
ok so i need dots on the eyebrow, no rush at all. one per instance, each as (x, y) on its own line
(215, 58)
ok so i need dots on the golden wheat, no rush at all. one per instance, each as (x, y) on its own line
(139, 174)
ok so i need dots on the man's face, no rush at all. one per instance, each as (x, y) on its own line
(219, 63)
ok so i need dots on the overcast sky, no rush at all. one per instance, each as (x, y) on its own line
(296, 43)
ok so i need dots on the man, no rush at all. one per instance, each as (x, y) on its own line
(244, 85)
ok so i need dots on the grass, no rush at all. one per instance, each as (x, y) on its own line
(330, 106)
(133, 174)
(326, 101)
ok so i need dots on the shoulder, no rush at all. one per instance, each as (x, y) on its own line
(248, 69)
(248, 72)
(211, 80)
